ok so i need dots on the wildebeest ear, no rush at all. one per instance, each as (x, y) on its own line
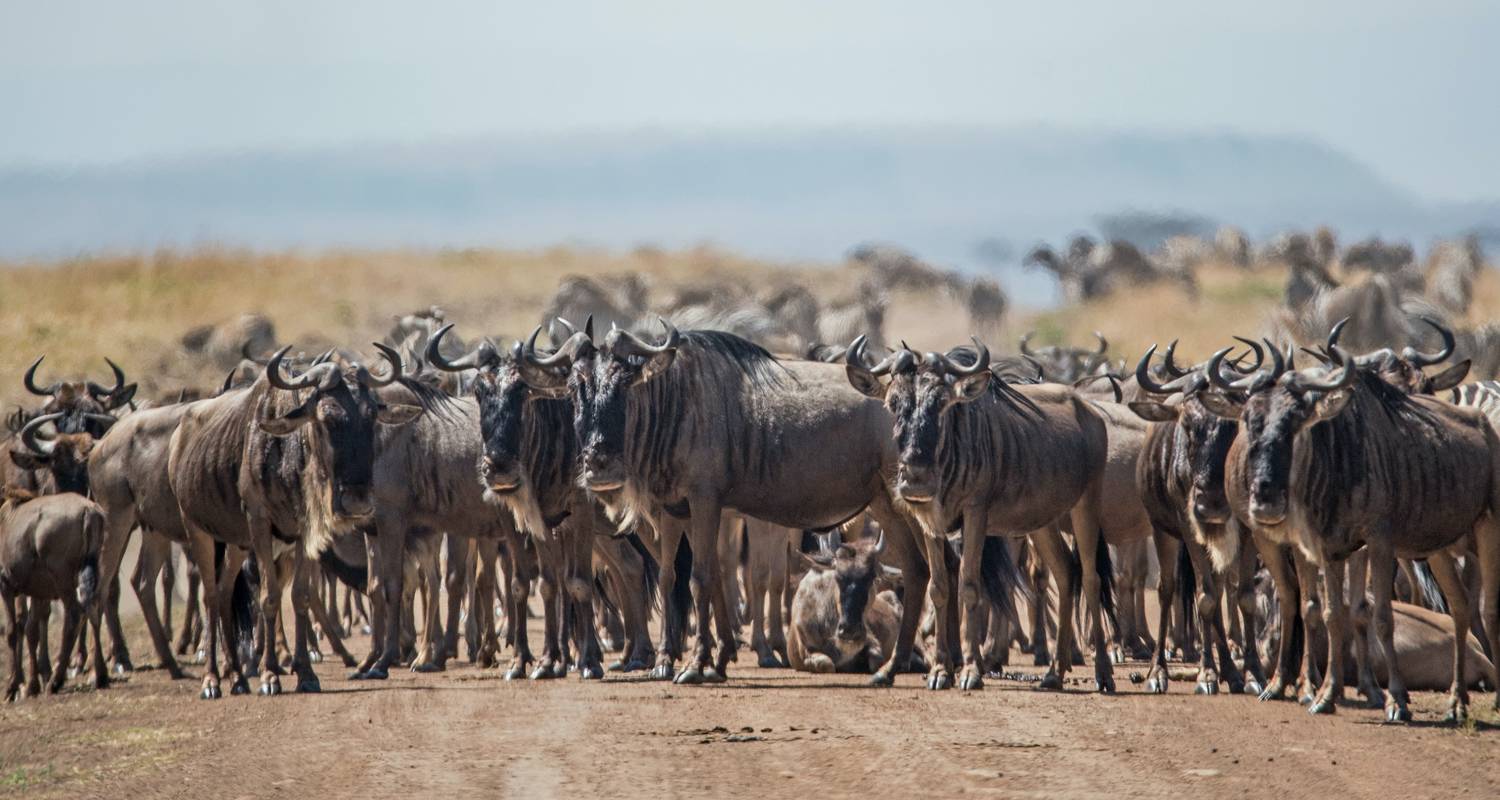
(397, 413)
(656, 366)
(972, 387)
(813, 563)
(865, 382)
(124, 396)
(29, 461)
(1220, 405)
(284, 425)
(1152, 411)
(1450, 377)
(1329, 406)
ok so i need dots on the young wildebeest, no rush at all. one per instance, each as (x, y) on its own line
(707, 421)
(49, 550)
(996, 458)
(1181, 475)
(840, 623)
(1332, 460)
(529, 467)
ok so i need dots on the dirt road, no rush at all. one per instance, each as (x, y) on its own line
(767, 733)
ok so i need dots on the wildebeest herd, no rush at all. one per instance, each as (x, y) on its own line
(926, 498)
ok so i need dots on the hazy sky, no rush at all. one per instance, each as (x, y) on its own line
(1410, 88)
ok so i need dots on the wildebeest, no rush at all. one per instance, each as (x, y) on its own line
(706, 421)
(841, 620)
(1061, 364)
(49, 550)
(1337, 458)
(978, 452)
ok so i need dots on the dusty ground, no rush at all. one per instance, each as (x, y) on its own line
(767, 733)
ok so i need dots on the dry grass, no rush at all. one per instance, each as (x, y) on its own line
(135, 308)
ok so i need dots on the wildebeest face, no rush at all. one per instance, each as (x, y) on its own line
(604, 384)
(502, 397)
(81, 406)
(855, 567)
(64, 455)
(345, 410)
(923, 405)
(1272, 421)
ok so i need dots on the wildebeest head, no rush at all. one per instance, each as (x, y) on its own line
(65, 455)
(855, 567)
(1405, 370)
(83, 405)
(1204, 437)
(343, 402)
(1280, 404)
(920, 394)
(1067, 364)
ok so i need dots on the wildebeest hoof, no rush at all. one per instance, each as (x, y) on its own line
(689, 676)
(1399, 713)
(545, 671)
(1206, 687)
(427, 666)
(516, 671)
(12, 693)
(54, 686)
(376, 673)
(882, 679)
(1041, 658)
(591, 672)
(1051, 682)
(101, 681)
(73, 672)
(1105, 685)
(1457, 714)
(270, 684)
(1276, 691)
(1253, 686)
(939, 680)
(309, 685)
(200, 657)
(1236, 687)
(767, 662)
(663, 671)
(314, 657)
(970, 681)
(715, 675)
(211, 692)
(1157, 684)
(121, 669)
(1117, 655)
(1322, 705)
(239, 686)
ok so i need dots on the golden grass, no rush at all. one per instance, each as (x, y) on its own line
(135, 308)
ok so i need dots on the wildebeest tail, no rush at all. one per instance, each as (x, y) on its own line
(1427, 584)
(88, 572)
(355, 576)
(1187, 579)
(242, 605)
(676, 612)
(1104, 567)
(1000, 577)
(1075, 574)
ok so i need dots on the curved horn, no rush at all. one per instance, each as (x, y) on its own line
(1143, 373)
(313, 377)
(1335, 332)
(627, 344)
(482, 356)
(1215, 367)
(1260, 354)
(99, 391)
(1345, 375)
(1422, 359)
(981, 361)
(562, 358)
(1025, 350)
(30, 380)
(103, 420)
(391, 356)
(879, 543)
(29, 438)
(1169, 364)
(228, 381)
(1103, 344)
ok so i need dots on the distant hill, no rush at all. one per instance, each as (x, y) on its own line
(808, 194)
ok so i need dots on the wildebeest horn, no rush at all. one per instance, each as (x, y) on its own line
(879, 544)
(564, 355)
(1335, 332)
(228, 381)
(1169, 364)
(1103, 344)
(626, 344)
(1345, 375)
(482, 356)
(99, 391)
(30, 380)
(29, 438)
(1025, 350)
(1215, 370)
(391, 356)
(567, 326)
(1260, 355)
(1422, 359)
(981, 361)
(1143, 373)
(316, 377)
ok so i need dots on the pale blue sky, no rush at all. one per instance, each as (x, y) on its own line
(1410, 88)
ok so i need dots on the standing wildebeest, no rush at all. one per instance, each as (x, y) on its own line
(977, 451)
(1330, 461)
(49, 550)
(529, 467)
(249, 473)
(707, 421)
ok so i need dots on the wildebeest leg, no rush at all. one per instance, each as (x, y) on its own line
(388, 557)
(117, 530)
(1445, 570)
(1041, 652)
(1049, 546)
(14, 638)
(119, 648)
(776, 585)
(1243, 586)
(760, 537)
(433, 656)
(1211, 619)
(705, 518)
(271, 576)
(730, 539)
(200, 550)
(482, 602)
(36, 639)
(155, 552)
(904, 546)
(1287, 601)
(455, 579)
(1487, 544)
(1335, 616)
(89, 619)
(69, 642)
(1086, 533)
(939, 593)
(553, 663)
(627, 581)
(1358, 576)
(191, 636)
(670, 535)
(472, 627)
(578, 545)
(1166, 591)
(302, 602)
(975, 531)
(327, 618)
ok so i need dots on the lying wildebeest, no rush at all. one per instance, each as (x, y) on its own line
(977, 451)
(841, 619)
(706, 421)
(1336, 458)
(49, 550)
